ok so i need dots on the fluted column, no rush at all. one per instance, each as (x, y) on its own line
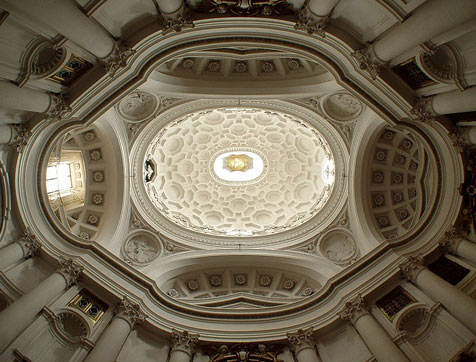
(112, 339)
(16, 317)
(182, 347)
(373, 334)
(429, 20)
(446, 103)
(25, 247)
(302, 344)
(460, 305)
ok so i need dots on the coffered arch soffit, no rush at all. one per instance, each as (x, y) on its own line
(330, 53)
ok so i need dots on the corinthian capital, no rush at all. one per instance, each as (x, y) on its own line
(30, 245)
(300, 340)
(184, 341)
(20, 137)
(354, 309)
(58, 107)
(423, 109)
(130, 312)
(178, 20)
(310, 22)
(368, 60)
(70, 270)
(117, 59)
(450, 242)
(411, 267)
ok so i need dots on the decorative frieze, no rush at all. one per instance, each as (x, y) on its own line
(354, 309)
(300, 340)
(184, 341)
(70, 270)
(244, 353)
(130, 312)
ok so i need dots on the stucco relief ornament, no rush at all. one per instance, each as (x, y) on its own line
(141, 250)
(311, 23)
(70, 270)
(117, 59)
(178, 20)
(30, 245)
(368, 61)
(300, 340)
(184, 341)
(137, 106)
(130, 311)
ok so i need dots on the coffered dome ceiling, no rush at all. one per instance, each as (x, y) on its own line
(294, 179)
(228, 175)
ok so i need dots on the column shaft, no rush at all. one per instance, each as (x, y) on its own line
(14, 97)
(322, 7)
(432, 18)
(378, 341)
(11, 253)
(111, 341)
(455, 101)
(15, 318)
(169, 6)
(65, 17)
(307, 355)
(179, 356)
(466, 249)
(460, 305)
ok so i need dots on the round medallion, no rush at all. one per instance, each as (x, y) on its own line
(137, 106)
(141, 247)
